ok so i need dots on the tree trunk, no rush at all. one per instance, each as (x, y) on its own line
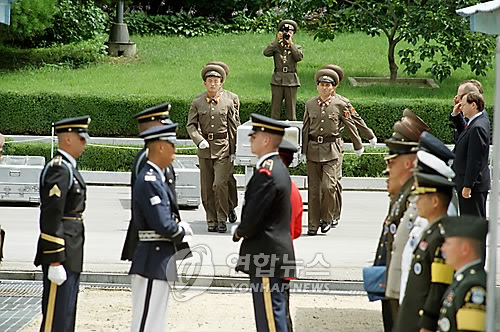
(393, 67)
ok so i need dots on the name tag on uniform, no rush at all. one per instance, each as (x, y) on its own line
(155, 200)
(150, 178)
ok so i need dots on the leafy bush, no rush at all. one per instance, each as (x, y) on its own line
(74, 55)
(112, 114)
(75, 21)
(29, 19)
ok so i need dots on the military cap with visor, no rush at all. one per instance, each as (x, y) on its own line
(433, 145)
(265, 124)
(155, 113)
(337, 69)
(287, 25)
(287, 148)
(466, 226)
(213, 71)
(222, 64)
(326, 75)
(162, 133)
(79, 125)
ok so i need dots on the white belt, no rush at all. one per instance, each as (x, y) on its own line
(152, 236)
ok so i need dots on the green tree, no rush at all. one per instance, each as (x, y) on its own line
(29, 18)
(432, 28)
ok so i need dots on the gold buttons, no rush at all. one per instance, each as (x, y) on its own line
(421, 312)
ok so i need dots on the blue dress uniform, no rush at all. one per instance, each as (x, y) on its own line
(463, 305)
(153, 263)
(266, 253)
(159, 113)
(62, 197)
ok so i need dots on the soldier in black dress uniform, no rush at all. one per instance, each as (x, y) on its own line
(266, 253)
(153, 263)
(464, 302)
(149, 118)
(60, 245)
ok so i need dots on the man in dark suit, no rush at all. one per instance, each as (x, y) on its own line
(266, 253)
(153, 263)
(472, 147)
(60, 245)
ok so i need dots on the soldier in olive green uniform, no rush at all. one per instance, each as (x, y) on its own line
(321, 145)
(360, 124)
(429, 275)
(233, 189)
(285, 81)
(401, 160)
(212, 127)
(464, 302)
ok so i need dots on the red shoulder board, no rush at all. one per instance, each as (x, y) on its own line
(266, 171)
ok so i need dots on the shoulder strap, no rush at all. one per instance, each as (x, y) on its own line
(63, 162)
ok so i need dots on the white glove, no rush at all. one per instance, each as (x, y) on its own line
(188, 231)
(373, 142)
(360, 151)
(233, 229)
(232, 157)
(203, 145)
(57, 274)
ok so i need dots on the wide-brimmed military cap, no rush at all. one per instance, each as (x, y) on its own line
(287, 148)
(288, 24)
(337, 69)
(432, 183)
(213, 71)
(162, 133)
(79, 125)
(406, 135)
(158, 112)
(222, 64)
(433, 145)
(472, 227)
(326, 75)
(430, 164)
(266, 124)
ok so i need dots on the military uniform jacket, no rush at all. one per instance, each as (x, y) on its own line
(152, 208)
(397, 208)
(285, 63)
(214, 122)
(464, 302)
(357, 120)
(428, 279)
(236, 101)
(62, 197)
(321, 124)
(266, 250)
(132, 237)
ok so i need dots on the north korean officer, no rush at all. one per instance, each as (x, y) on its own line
(60, 245)
(151, 117)
(266, 253)
(153, 263)
(464, 302)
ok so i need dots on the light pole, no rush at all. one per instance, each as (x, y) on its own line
(119, 43)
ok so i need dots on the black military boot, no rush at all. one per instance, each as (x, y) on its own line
(221, 227)
(232, 216)
(324, 226)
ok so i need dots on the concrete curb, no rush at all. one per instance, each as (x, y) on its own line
(227, 283)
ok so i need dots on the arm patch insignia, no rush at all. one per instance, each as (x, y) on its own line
(55, 191)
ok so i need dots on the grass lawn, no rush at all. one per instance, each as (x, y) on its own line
(171, 66)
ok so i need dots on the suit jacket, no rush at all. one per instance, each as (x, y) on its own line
(285, 63)
(62, 201)
(152, 208)
(472, 148)
(464, 302)
(326, 123)
(266, 250)
(132, 236)
(427, 281)
(213, 118)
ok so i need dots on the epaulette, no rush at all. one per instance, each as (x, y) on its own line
(267, 167)
(58, 161)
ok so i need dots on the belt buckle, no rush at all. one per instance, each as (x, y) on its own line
(285, 69)
(320, 139)
(210, 136)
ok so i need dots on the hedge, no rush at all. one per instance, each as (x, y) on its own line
(97, 158)
(33, 113)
